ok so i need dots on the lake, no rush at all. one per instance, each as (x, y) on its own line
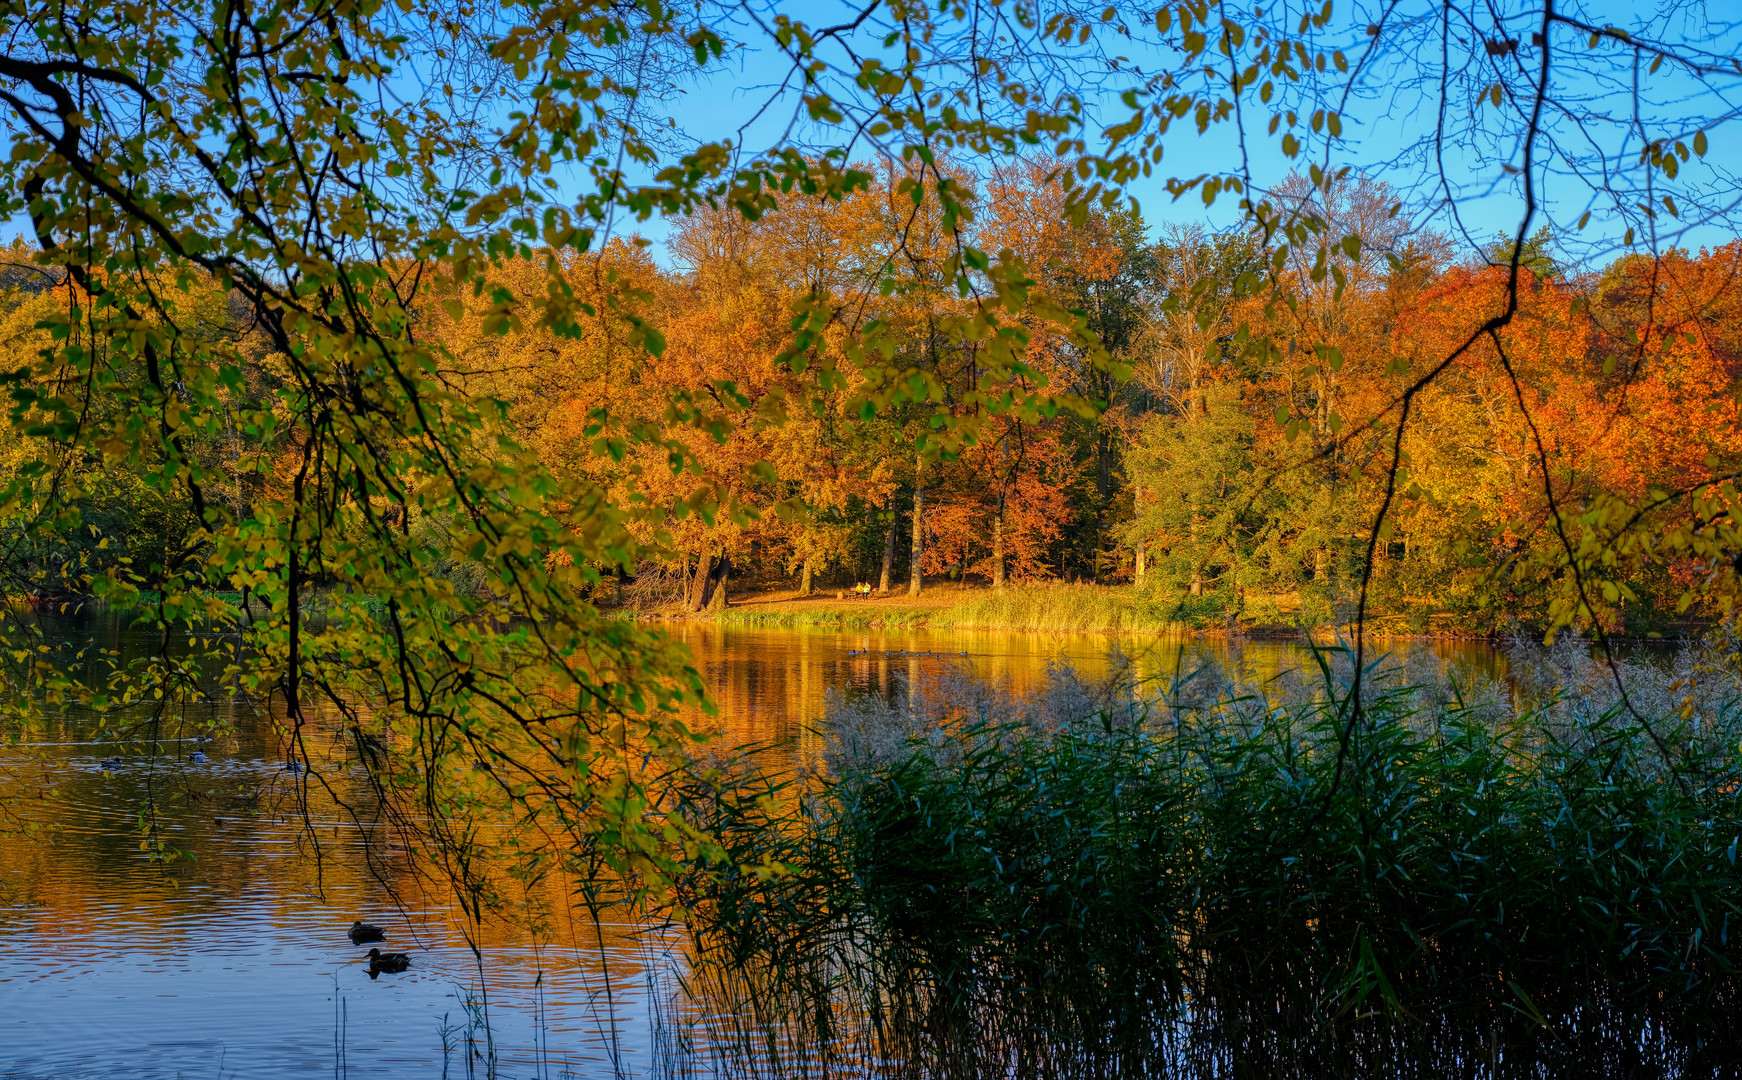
(232, 961)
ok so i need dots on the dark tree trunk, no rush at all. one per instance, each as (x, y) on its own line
(998, 519)
(711, 587)
(915, 581)
(889, 547)
(998, 546)
(704, 567)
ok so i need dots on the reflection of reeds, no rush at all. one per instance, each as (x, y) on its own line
(1203, 879)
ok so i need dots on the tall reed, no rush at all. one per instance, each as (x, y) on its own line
(1068, 609)
(1215, 878)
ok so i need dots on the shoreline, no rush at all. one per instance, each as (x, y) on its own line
(1050, 608)
(1089, 609)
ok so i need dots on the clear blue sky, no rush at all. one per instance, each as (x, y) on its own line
(1388, 125)
(1461, 185)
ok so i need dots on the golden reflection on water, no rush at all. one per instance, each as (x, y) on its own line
(771, 686)
(233, 956)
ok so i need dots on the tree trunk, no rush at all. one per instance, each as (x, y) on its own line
(998, 546)
(711, 588)
(1197, 557)
(998, 521)
(914, 581)
(723, 572)
(700, 589)
(1103, 492)
(889, 547)
(804, 580)
(1140, 549)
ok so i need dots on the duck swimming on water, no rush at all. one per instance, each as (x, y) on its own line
(390, 962)
(361, 931)
(197, 757)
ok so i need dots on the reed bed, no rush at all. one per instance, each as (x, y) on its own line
(849, 616)
(1212, 877)
(1062, 608)
(1053, 608)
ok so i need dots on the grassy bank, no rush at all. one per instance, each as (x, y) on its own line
(1058, 608)
(1062, 608)
(1214, 878)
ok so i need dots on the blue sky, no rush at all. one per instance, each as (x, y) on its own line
(1387, 124)
(1465, 190)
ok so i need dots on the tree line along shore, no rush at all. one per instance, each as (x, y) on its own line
(1205, 460)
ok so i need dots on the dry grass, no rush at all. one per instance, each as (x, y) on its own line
(1056, 608)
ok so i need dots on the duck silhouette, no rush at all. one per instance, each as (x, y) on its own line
(390, 962)
(111, 763)
(361, 931)
(197, 757)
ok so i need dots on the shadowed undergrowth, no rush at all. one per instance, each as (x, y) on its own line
(1214, 877)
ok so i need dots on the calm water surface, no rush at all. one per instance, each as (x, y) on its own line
(233, 961)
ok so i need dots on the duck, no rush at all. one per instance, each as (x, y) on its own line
(197, 757)
(390, 962)
(361, 931)
(293, 766)
(110, 763)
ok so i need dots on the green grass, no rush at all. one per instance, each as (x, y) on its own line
(1082, 609)
(1092, 609)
